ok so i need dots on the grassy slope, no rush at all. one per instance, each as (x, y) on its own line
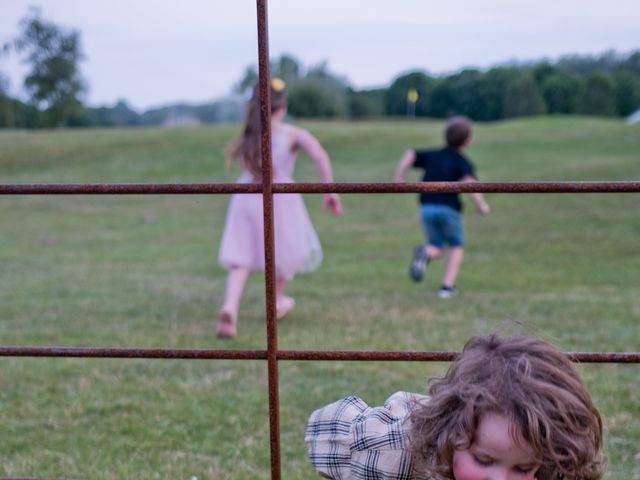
(142, 272)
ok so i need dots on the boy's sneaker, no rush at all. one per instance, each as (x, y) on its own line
(447, 292)
(418, 263)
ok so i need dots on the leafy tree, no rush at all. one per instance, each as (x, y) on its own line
(562, 92)
(573, 84)
(632, 63)
(14, 113)
(522, 96)
(478, 95)
(584, 65)
(490, 94)
(543, 70)
(311, 98)
(607, 62)
(286, 68)
(599, 96)
(396, 97)
(120, 115)
(321, 73)
(54, 81)
(313, 92)
(123, 114)
(627, 92)
(4, 84)
(366, 103)
(463, 92)
(7, 119)
(83, 117)
(441, 102)
(319, 93)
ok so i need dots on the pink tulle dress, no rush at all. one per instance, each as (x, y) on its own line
(297, 247)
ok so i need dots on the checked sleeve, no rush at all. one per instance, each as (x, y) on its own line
(348, 440)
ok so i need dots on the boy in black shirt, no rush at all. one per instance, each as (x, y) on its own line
(442, 212)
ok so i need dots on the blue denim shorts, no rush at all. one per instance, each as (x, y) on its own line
(442, 225)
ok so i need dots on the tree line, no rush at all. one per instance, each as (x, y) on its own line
(607, 85)
(604, 85)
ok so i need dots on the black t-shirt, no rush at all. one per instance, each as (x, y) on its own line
(445, 165)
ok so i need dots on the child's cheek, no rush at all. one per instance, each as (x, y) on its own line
(464, 468)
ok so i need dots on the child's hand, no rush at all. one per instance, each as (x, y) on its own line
(332, 200)
(484, 208)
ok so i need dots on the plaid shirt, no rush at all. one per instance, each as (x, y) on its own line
(349, 440)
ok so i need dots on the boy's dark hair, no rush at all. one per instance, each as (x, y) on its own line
(532, 384)
(457, 131)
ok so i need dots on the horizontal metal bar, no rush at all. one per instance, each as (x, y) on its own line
(354, 355)
(128, 188)
(228, 188)
(35, 478)
(460, 187)
(436, 356)
(285, 355)
(151, 353)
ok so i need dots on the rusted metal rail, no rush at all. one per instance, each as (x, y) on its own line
(35, 478)
(229, 188)
(264, 83)
(281, 355)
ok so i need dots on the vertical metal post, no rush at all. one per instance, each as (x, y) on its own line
(269, 250)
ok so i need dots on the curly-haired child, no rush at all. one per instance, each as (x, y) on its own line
(507, 409)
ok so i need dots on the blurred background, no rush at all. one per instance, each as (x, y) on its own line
(73, 63)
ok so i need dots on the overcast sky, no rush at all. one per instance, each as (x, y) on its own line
(153, 52)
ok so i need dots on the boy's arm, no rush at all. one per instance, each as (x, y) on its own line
(405, 163)
(312, 147)
(478, 198)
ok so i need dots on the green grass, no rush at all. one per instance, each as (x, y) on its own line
(140, 271)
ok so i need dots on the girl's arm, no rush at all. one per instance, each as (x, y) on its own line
(478, 198)
(312, 147)
(405, 163)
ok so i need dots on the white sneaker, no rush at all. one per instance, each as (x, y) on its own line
(448, 292)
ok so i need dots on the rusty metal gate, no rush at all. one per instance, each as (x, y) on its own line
(272, 354)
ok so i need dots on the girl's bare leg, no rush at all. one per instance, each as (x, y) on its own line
(228, 316)
(284, 304)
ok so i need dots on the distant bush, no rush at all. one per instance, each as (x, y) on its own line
(599, 95)
(366, 103)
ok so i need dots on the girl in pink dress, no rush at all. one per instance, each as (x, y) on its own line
(297, 247)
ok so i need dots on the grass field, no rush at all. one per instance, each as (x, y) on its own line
(141, 271)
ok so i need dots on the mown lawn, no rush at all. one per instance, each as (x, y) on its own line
(141, 271)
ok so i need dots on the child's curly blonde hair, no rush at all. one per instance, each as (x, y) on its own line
(532, 384)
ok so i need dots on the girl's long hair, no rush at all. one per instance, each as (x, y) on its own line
(246, 149)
